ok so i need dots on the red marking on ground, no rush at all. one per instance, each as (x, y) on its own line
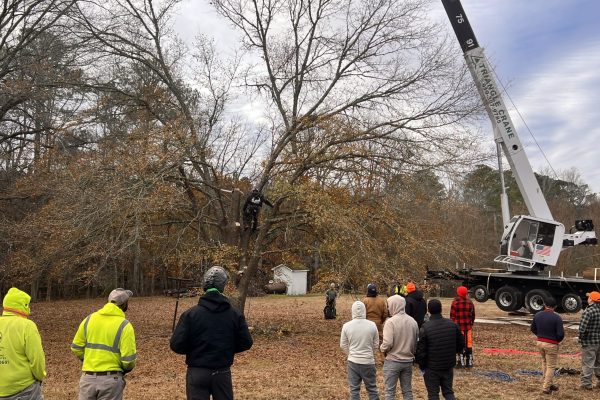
(515, 351)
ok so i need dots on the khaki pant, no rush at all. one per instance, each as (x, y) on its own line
(105, 387)
(549, 353)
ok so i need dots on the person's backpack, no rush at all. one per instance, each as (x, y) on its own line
(329, 312)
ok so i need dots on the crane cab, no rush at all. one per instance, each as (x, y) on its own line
(530, 243)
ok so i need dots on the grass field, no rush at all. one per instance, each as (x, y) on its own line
(296, 353)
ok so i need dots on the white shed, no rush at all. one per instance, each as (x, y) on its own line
(295, 279)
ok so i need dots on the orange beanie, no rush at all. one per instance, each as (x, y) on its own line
(410, 287)
(462, 291)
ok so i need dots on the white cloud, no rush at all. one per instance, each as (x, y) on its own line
(559, 103)
(549, 53)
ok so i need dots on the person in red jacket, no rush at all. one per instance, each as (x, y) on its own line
(462, 312)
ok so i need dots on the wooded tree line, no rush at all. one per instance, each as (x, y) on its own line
(125, 157)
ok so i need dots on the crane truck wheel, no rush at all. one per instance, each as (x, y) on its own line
(535, 300)
(509, 298)
(480, 293)
(571, 303)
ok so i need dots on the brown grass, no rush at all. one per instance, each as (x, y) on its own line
(296, 353)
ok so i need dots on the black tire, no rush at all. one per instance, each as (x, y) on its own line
(535, 300)
(571, 303)
(480, 293)
(509, 298)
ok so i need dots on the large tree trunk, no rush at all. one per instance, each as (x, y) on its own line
(48, 287)
(35, 284)
(250, 260)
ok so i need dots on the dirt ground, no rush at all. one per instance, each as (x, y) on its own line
(296, 353)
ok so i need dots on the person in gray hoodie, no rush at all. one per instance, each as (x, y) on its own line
(400, 334)
(359, 339)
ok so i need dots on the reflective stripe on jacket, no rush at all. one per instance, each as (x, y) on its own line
(105, 341)
(22, 359)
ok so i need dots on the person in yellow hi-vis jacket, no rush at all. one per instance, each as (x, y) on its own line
(105, 342)
(22, 359)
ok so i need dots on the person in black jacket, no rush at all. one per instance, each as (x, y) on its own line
(416, 306)
(440, 340)
(209, 334)
(252, 207)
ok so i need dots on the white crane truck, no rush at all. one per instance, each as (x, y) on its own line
(529, 243)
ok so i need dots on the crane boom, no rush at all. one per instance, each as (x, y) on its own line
(529, 242)
(504, 131)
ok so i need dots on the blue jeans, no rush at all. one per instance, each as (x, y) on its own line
(394, 371)
(366, 373)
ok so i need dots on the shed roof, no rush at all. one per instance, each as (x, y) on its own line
(291, 268)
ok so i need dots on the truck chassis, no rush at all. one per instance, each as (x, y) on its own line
(512, 291)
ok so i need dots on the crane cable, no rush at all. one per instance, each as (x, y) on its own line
(523, 120)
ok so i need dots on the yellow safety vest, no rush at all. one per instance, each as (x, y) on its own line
(22, 359)
(105, 341)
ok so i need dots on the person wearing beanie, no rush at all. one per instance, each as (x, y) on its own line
(589, 339)
(105, 344)
(548, 327)
(210, 334)
(376, 308)
(359, 339)
(462, 312)
(22, 359)
(440, 340)
(399, 346)
(416, 306)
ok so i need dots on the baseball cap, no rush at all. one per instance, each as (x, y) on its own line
(119, 296)
(462, 291)
(594, 296)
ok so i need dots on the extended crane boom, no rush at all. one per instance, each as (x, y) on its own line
(529, 242)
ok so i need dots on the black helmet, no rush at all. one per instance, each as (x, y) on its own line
(216, 277)
(371, 289)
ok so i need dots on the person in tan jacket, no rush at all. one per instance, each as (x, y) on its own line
(376, 308)
(399, 345)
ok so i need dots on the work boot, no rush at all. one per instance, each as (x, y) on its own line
(586, 387)
(470, 360)
(553, 388)
(547, 391)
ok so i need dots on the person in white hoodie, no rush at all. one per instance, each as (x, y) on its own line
(400, 334)
(359, 339)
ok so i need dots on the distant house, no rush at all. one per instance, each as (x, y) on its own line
(296, 279)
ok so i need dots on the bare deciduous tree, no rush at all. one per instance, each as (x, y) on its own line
(347, 81)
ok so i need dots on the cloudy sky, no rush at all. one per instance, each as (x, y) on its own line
(547, 53)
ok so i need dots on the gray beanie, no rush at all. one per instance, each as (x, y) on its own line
(215, 278)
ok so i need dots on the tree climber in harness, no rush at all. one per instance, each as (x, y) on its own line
(105, 342)
(252, 207)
